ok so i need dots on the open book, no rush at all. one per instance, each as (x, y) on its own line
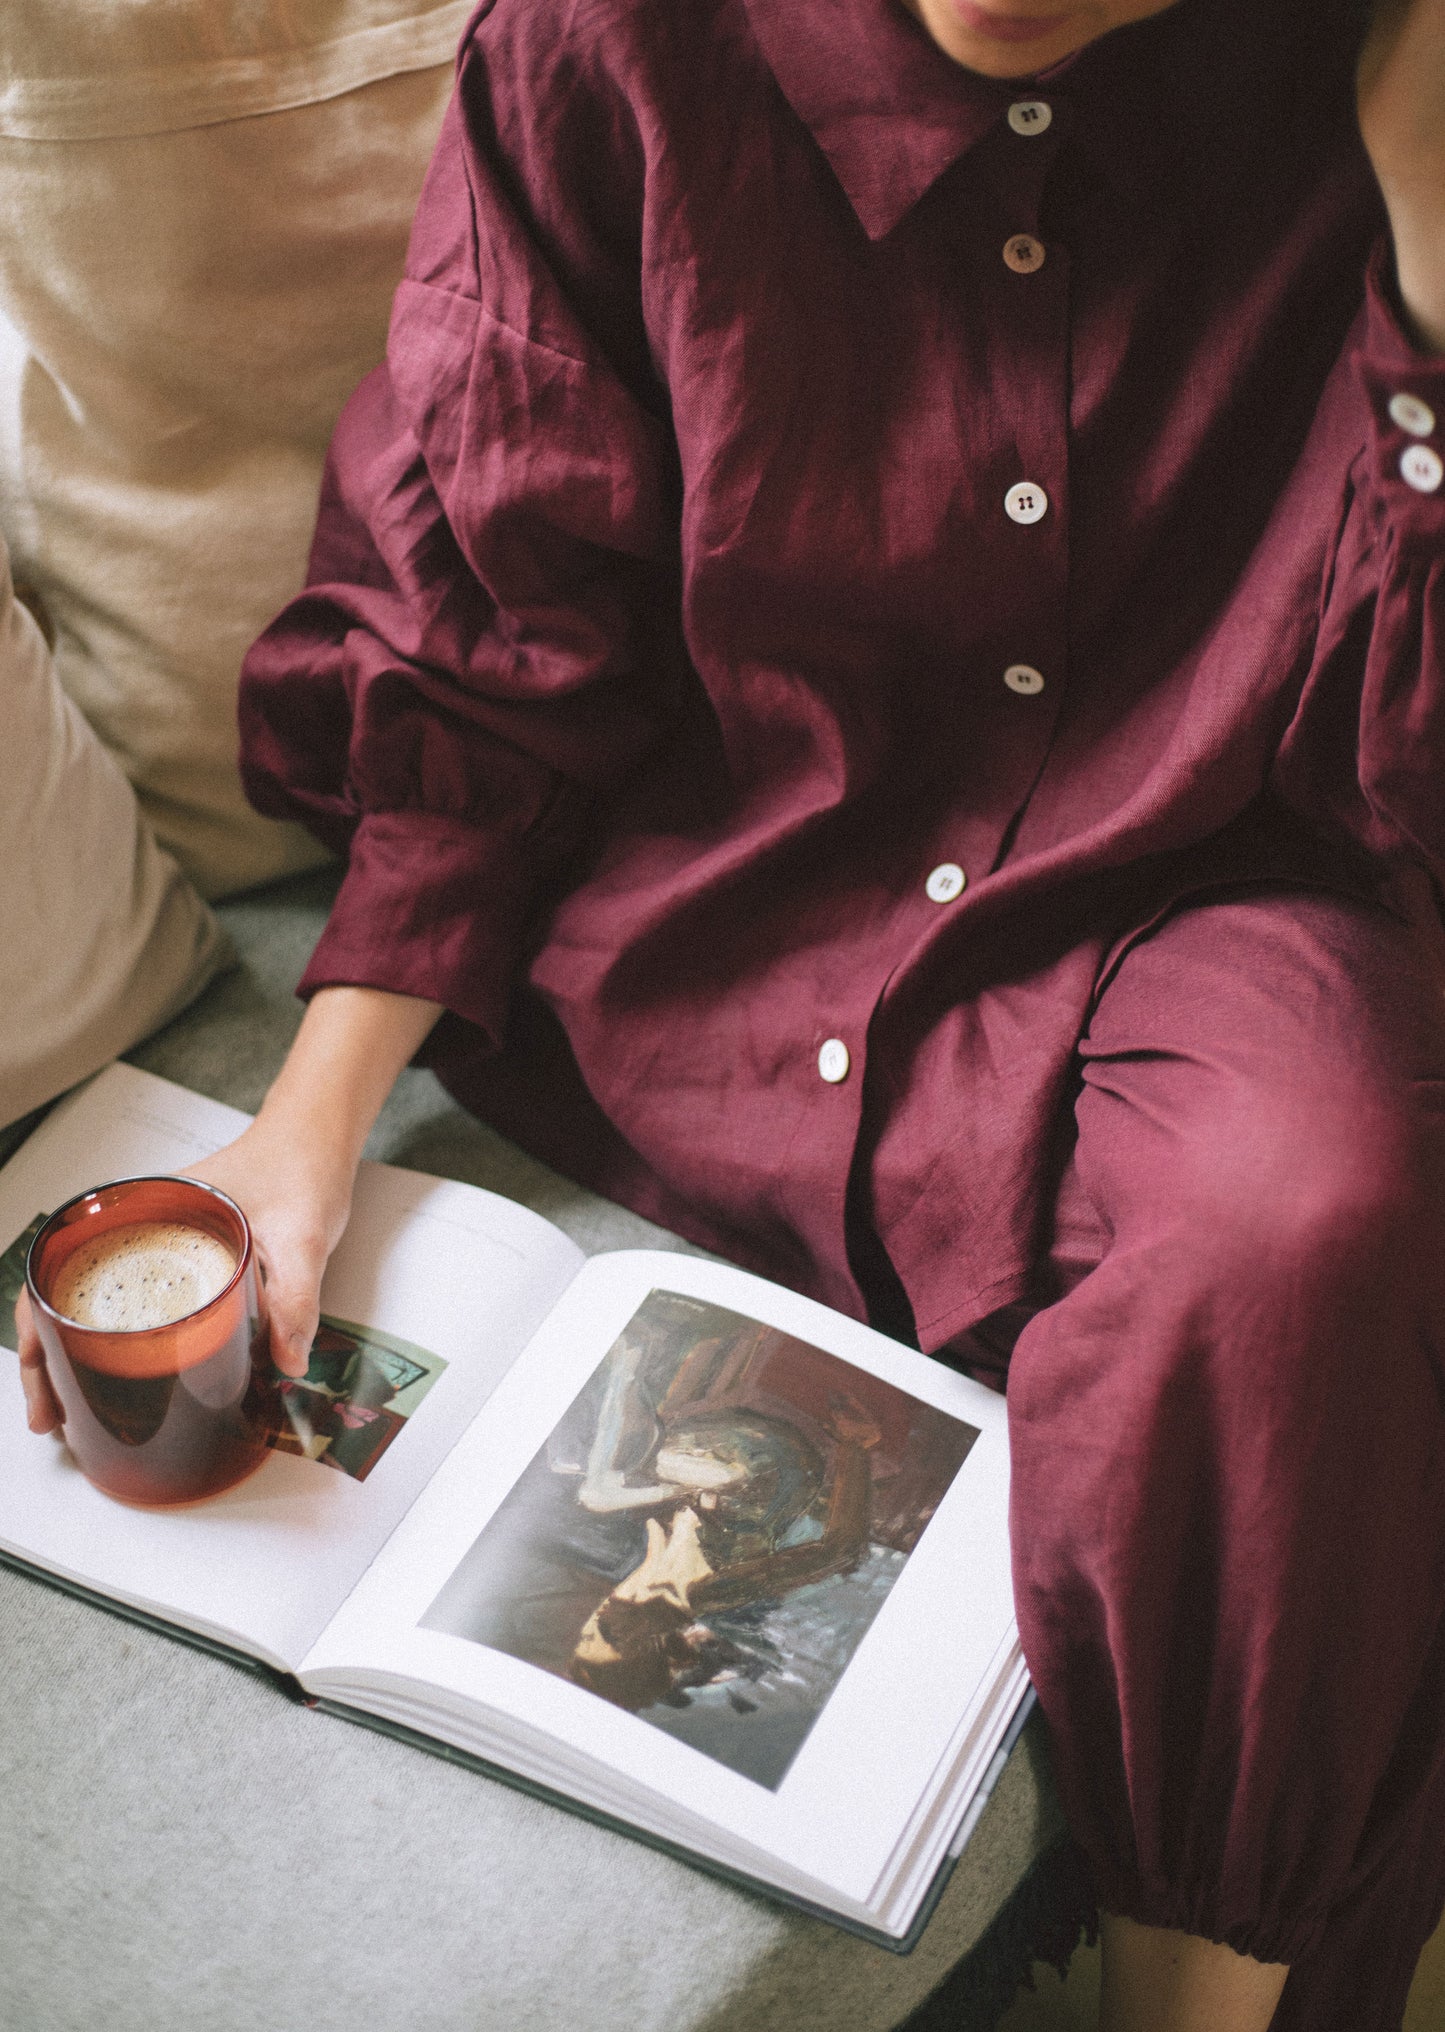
(642, 1532)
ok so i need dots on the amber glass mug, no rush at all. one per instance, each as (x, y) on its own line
(162, 1414)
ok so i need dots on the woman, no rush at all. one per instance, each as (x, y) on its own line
(876, 647)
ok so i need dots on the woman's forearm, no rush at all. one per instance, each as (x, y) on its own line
(293, 1169)
(352, 1044)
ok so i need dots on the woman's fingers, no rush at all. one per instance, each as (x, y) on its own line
(297, 1208)
(294, 1240)
(42, 1413)
(293, 1303)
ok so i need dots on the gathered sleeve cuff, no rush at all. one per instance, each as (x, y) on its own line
(1401, 475)
(1406, 392)
(430, 906)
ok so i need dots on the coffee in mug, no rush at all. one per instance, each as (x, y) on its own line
(147, 1274)
(148, 1306)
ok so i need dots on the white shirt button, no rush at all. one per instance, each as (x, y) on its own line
(833, 1061)
(1026, 502)
(1024, 679)
(1024, 254)
(947, 882)
(1412, 414)
(1030, 116)
(1422, 468)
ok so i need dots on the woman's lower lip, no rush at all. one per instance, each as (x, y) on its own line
(1009, 27)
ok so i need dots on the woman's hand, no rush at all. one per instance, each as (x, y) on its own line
(1402, 118)
(296, 1194)
(42, 1413)
(292, 1172)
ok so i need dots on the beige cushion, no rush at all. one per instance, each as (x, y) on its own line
(205, 207)
(101, 936)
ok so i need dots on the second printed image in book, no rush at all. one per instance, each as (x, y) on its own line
(709, 1533)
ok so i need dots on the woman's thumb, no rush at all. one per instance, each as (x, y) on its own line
(293, 1306)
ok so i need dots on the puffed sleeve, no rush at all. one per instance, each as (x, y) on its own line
(479, 656)
(1402, 720)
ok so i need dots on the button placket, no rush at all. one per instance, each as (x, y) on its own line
(1031, 309)
(1026, 502)
(1026, 283)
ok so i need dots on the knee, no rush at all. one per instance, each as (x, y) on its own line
(1261, 1336)
(1309, 1203)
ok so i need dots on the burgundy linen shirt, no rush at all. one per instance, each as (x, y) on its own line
(835, 542)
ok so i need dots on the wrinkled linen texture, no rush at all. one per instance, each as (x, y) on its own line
(741, 530)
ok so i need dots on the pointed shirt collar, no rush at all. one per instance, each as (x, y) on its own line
(891, 112)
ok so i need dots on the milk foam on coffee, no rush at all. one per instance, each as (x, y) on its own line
(147, 1274)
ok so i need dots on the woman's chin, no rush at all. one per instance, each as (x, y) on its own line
(1001, 44)
(1010, 39)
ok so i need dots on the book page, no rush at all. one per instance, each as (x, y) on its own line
(432, 1291)
(716, 1559)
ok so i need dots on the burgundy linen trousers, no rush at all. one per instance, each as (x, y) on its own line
(1228, 1435)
